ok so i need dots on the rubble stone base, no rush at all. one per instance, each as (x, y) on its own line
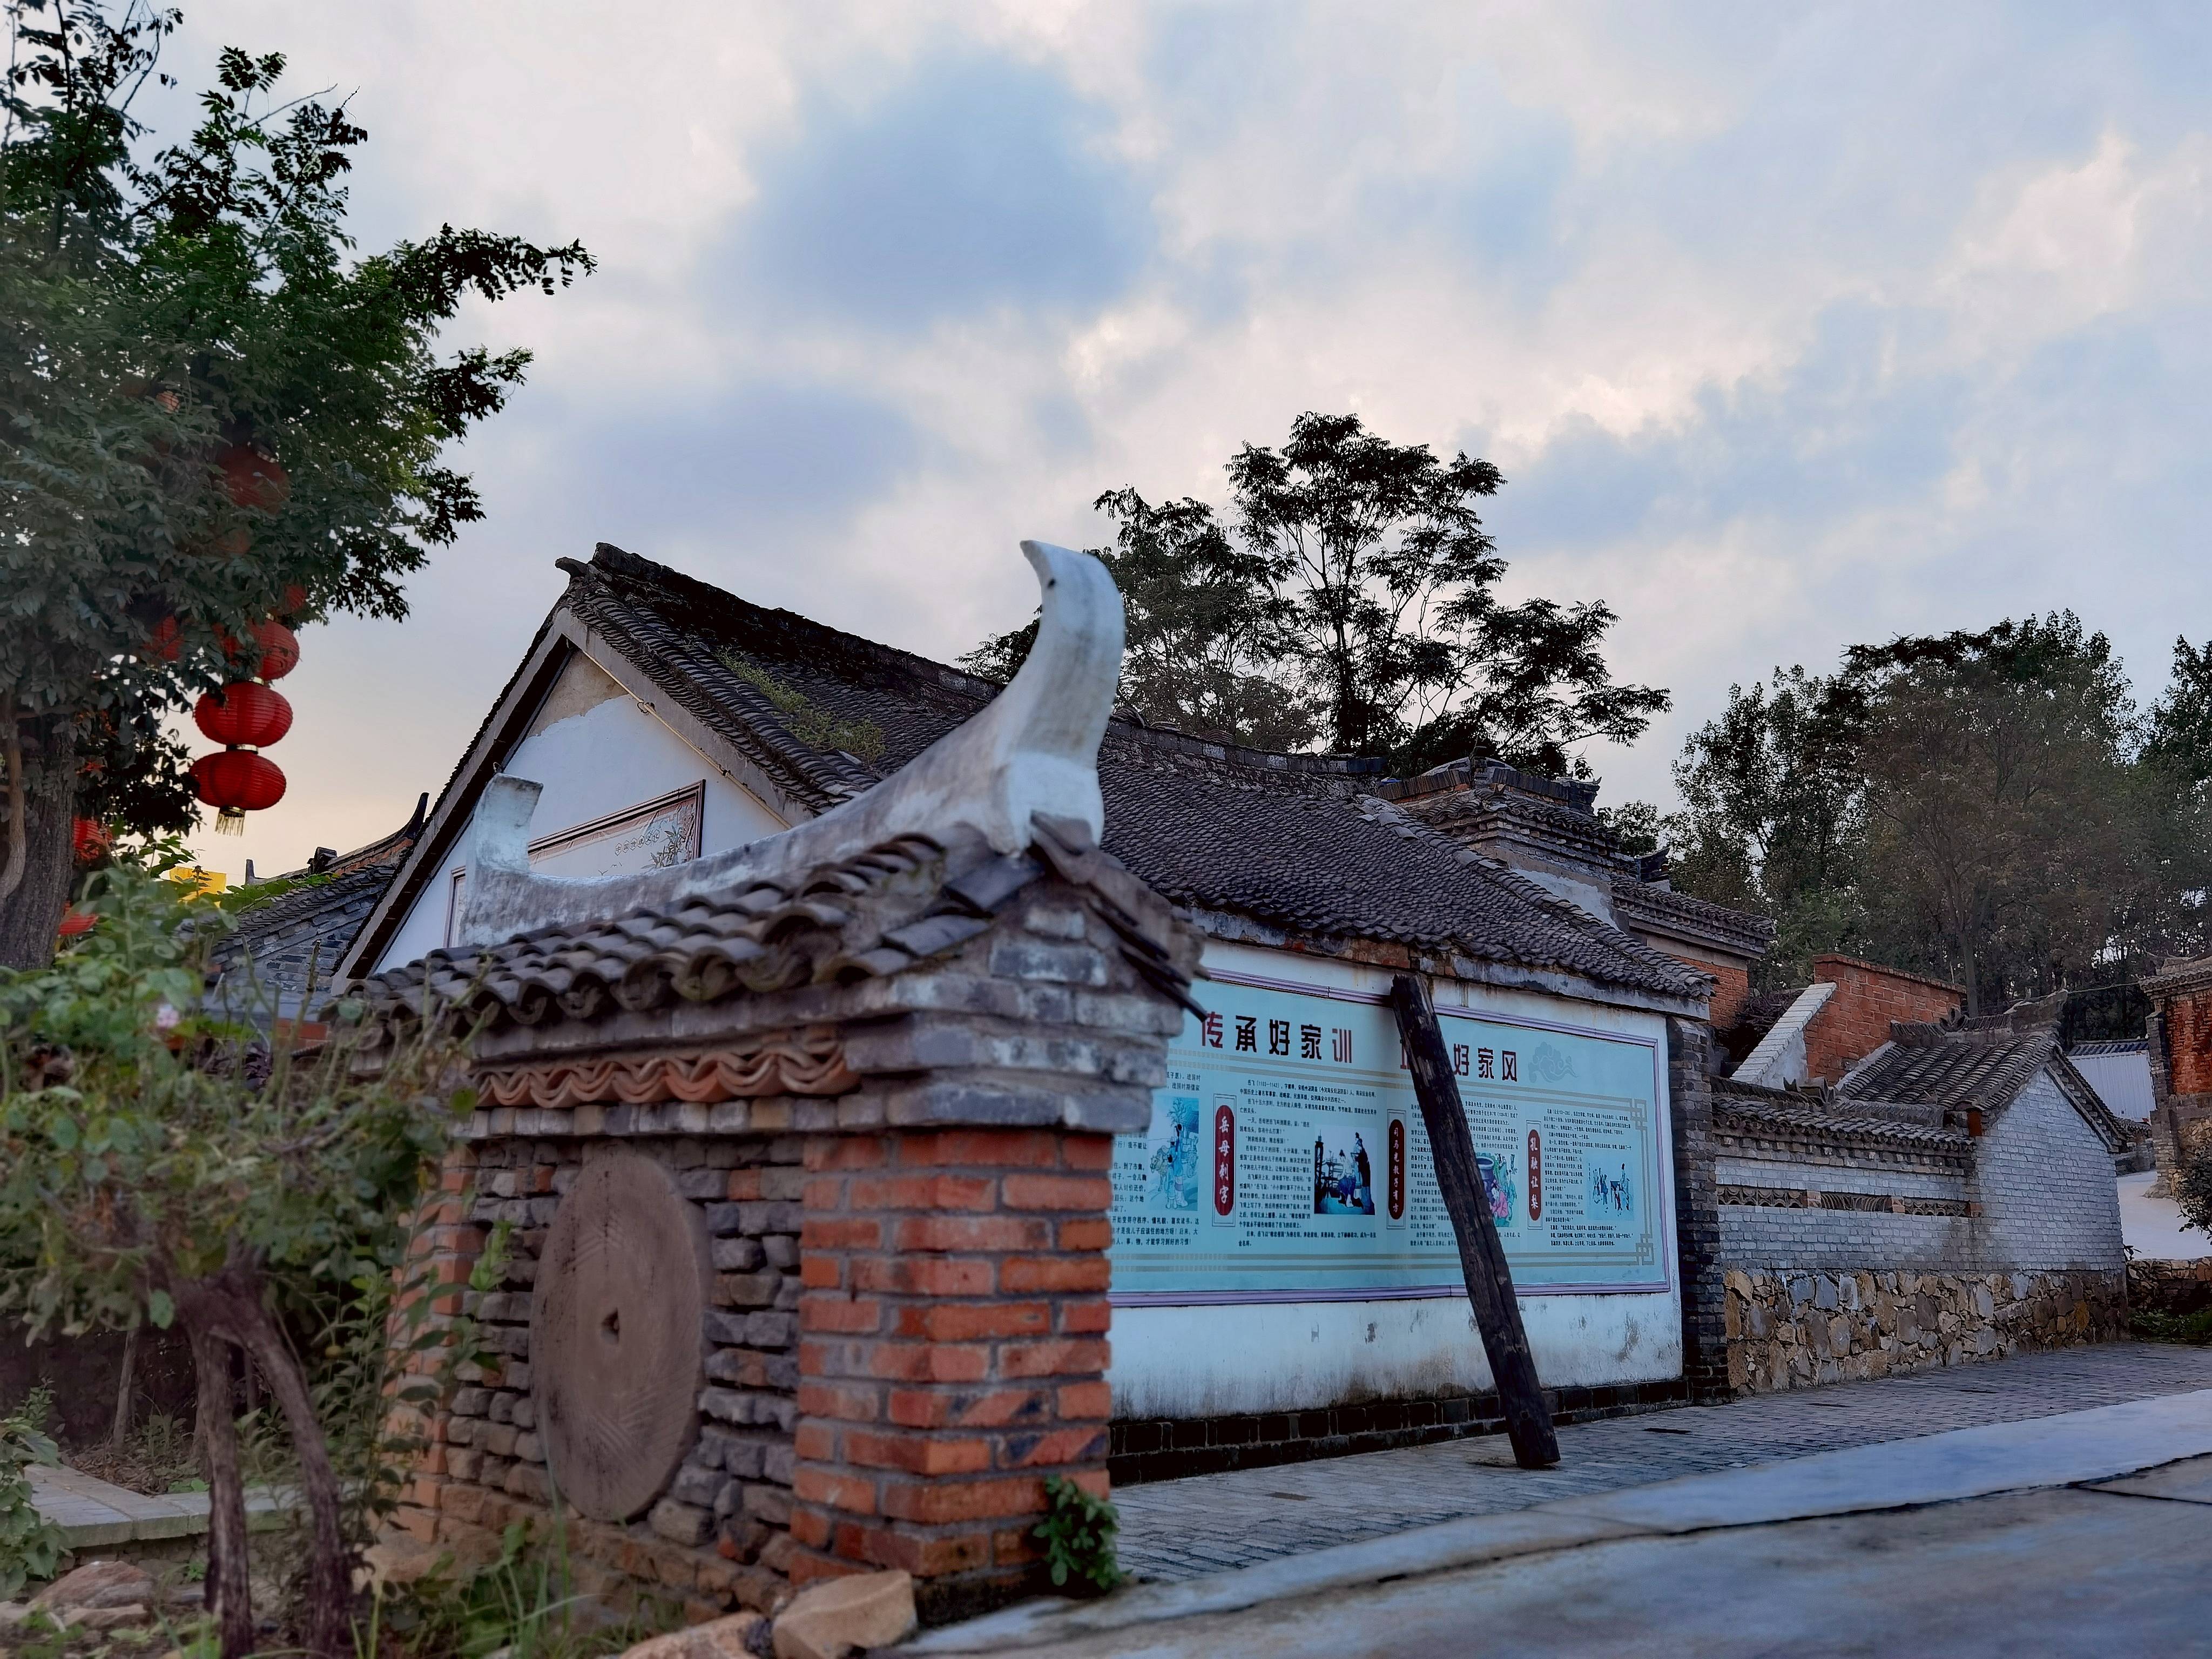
(1798, 1330)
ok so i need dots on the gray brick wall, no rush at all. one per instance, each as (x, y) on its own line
(2044, 1180)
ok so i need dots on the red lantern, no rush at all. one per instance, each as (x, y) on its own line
(236, 781)
(88, 840)
(280, 649)
(165, 641)
(75, 922)
(247, 714)
(253, 479)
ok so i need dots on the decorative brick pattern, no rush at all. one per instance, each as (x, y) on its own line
(954, 1351)
(1856, 1021)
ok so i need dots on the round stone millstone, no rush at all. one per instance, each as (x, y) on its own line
(615, 1338)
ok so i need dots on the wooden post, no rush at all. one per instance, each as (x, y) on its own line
(1481, 1254)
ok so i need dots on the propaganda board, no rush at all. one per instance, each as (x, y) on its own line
(1286, 1159)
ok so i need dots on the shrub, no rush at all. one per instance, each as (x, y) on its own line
(30, 1545)
(1077, 1534)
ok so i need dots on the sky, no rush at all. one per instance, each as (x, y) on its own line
(1789, 327)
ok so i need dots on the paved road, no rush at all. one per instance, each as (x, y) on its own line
(2066, 1572)
(1181, 1529)
(2084, 1532)
(2152, 1226)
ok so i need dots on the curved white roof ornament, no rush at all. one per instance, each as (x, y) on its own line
(1033, 751)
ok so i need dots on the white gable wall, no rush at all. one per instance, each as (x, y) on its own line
(598, 754)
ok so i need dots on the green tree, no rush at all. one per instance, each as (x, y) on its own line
(212, 411)
(1203, 629)
(157, 1167)
(1352, 600)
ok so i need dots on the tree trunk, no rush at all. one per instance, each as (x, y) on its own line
(120, 1430)
(29, 916)
(330, 1582)
(229, 1596)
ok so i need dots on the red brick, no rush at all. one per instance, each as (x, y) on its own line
(1086, 1233)
(924, 1192)
(971, 1232)
(1073, 1358)
(825, 1232)
(1087, 1318)
(1080, 1401)
(1041, 1192)
(924, 1276)
(983, 1148)
(812, 1484)
(919, 1454)
(1088, 1151)
(849, 1314)
(815, 1441)
(1028, 1274)
(933, 1502)
(822, 1273)
(926, 1362)
(809, 1527)
(930, 1408)
(825, 1196)
(1085, 1444)
(855, 1403)
(972, 1321)
(845, 1153)
(933, 1557)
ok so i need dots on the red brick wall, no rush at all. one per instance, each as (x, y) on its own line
(1856, 1021)
(1735, 985)
(953, 1351)
(2189, 1042)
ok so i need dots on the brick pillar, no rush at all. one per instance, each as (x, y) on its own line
(1696, 1212)
(442, 1254)
(953, 1353)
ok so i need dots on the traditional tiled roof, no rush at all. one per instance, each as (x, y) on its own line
(1978, 1071)
(267, 961)
(1643, 904)
(866, 917)
(1282, 840)
(1784, 1115)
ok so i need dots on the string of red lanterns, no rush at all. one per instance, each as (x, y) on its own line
(248, 714)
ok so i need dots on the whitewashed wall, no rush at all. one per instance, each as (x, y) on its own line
(1217, 1359)
(596, 753)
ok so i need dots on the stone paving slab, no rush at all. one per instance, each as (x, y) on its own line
(1180, 1529)
(95, 1514)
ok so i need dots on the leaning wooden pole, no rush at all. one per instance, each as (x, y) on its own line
(1481, 1253)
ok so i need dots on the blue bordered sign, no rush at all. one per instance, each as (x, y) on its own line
(1286, 1160)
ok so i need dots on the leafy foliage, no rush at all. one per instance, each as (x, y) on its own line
(30, 1545)
(1984, 806)
(1350, 601)
(210, 409)
(158, 1165)
(2193, 1193)
(1078, 1534)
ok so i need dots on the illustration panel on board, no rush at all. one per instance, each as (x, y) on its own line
(1293, 1113)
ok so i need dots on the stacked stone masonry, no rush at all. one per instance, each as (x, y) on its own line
(720, 1533)
(1800, 1330)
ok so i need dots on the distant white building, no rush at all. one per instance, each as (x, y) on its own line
(2120, 1072)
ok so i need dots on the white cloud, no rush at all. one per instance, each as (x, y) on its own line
(1789, 328)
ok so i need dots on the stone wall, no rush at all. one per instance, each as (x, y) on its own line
(2180, 1032)
(1857, 1020)
(1792, 1330)
(719, 1534)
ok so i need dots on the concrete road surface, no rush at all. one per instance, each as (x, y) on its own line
(2086, 1532)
